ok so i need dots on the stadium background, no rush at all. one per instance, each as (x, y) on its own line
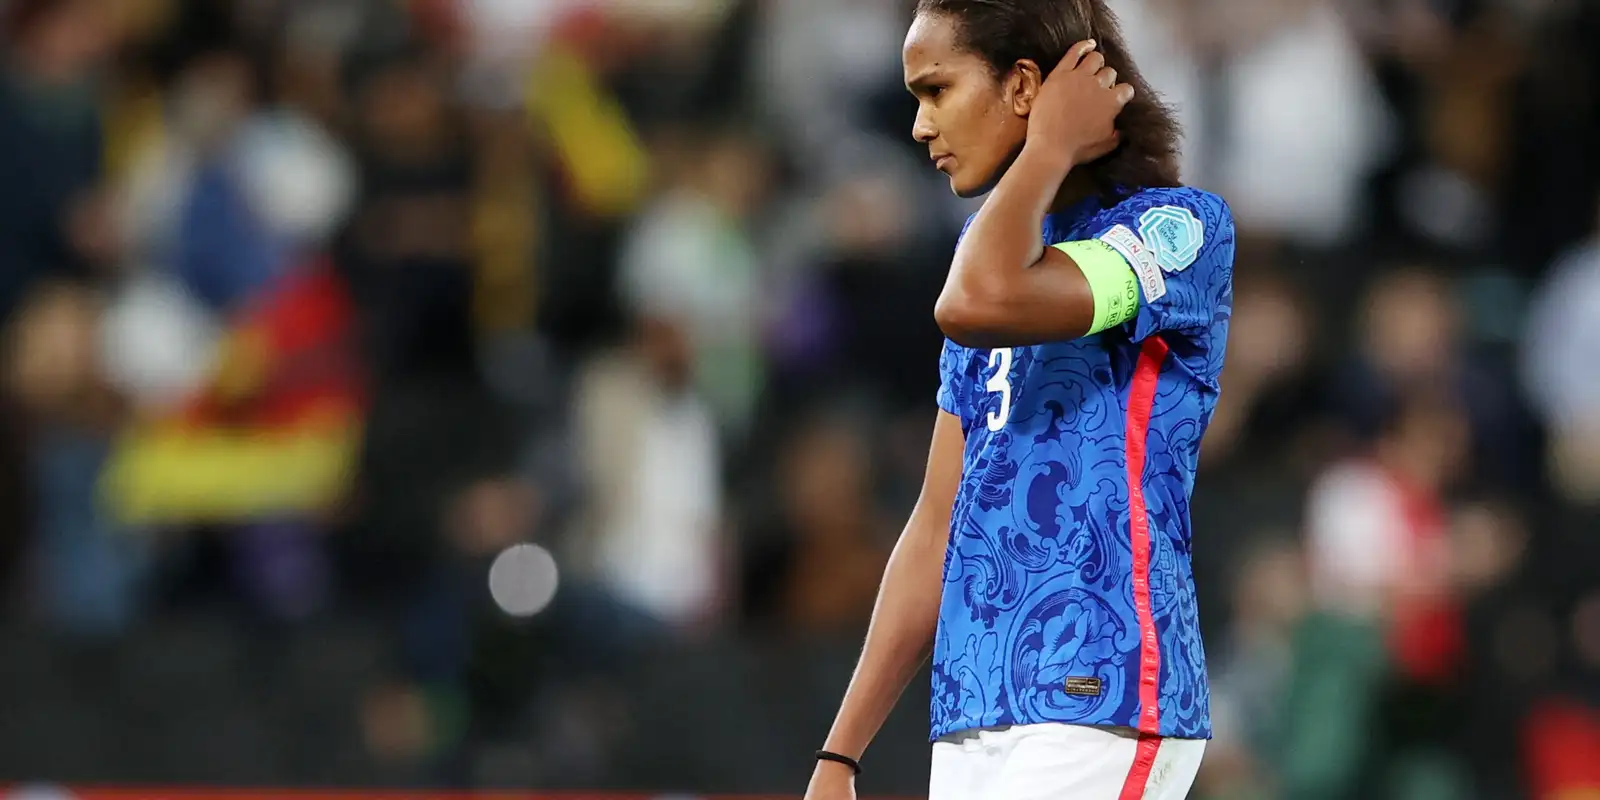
(339, 333)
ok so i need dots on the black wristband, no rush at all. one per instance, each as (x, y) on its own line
(854, 765)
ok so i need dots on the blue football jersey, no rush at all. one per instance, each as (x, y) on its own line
(1068, 587)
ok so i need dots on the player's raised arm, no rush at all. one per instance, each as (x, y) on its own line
(1005, 289)
(903, 620)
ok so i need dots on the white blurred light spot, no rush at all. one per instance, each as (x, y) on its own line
(523, 579)
(40, 792)
(298, 178)
(159, 342)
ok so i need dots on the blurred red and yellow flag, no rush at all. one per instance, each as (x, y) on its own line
(275, 431)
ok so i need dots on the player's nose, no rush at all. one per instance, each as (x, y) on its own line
(922, 129)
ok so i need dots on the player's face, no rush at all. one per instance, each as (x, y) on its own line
(965, 116)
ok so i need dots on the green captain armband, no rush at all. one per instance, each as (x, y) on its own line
(1112, 282)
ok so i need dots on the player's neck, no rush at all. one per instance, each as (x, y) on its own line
(1073, 190)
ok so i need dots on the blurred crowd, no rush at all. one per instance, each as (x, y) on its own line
(528, 392)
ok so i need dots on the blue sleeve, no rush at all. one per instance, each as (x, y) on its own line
(952, 372)
(1180, 242)
(952, 379)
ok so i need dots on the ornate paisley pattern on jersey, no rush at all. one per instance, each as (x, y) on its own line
(972, 682)
(997, 473)
(1038, 574)
(1069, 634)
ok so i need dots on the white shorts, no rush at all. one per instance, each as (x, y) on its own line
(1055, 761)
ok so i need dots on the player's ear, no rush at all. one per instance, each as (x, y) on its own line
(1022, 86)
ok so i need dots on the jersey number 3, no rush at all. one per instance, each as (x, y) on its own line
(1000, 382)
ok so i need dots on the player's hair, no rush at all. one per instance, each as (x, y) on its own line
(1003, 32)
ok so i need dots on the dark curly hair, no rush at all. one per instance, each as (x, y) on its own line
(1003, 32)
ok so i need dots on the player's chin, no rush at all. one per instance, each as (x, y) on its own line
(965, 192)
(967, 189)
(967, 186)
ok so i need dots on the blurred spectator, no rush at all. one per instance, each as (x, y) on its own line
(817, 63)
(1295, 688)
(1268, 367)
(818, 573)
(408, 248)
(1377, 534)
(865, 278)
(1494, 573)
(1553, 180)
(230, 336)
(1290, 161)
(1441, 183)
(692, 260)
(1410, 339)
(51, 143)
(653, 529)
(87, 570)
(53, 228)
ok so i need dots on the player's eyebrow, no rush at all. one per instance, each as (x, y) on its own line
(923, 79)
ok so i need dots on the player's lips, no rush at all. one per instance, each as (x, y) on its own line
(940, 161)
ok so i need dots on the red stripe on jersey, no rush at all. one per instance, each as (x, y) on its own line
(1144, 760)
(1141, 403)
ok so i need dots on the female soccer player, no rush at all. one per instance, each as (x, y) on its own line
(1046, 564)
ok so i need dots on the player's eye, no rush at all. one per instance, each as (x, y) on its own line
(935, 91)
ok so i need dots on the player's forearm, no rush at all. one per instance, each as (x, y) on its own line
(898, 641)
(1003, 239)
(998, 292)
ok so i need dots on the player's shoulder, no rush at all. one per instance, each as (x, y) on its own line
(1178, 225)
(1176, 204)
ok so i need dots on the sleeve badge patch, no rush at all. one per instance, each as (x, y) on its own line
(1174, 235)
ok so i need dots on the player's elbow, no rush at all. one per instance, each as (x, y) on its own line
(971, 319)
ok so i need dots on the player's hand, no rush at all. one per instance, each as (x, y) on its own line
(830, 781)
(1076, 111)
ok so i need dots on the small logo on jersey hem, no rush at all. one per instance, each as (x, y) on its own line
(1090, 687)
(1138, 255)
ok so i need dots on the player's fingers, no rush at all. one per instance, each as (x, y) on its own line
(1106, 146)
(1092, 63)
(1078, 51)
(1125, 93)
(1107, 77)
